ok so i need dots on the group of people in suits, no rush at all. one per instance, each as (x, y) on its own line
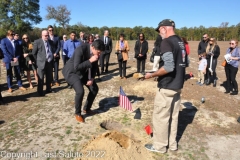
(80, 59)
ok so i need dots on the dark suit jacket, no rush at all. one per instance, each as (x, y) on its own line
(144, 49)
(56, 45)
(8, 50)
(108, 46)
(39, 52)
(77, 66)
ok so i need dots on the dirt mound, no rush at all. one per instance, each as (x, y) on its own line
(115, 145)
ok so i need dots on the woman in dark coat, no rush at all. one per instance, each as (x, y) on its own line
(29, 60)
(141, 49)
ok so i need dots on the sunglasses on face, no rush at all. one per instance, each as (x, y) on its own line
(232, 43)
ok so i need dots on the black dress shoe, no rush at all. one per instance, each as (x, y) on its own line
(214, 83)
(227, 92)
(50, 91)
(234, 93)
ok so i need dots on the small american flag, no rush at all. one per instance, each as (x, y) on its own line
(124, 101)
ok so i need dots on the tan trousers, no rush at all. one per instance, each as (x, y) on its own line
(201, 77)
(165, 119)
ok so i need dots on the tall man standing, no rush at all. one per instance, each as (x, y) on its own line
(203, 44)
(108, 49)
(56, 48)
(171, 75)
(43, 53)
(63, 53)
(12, 51)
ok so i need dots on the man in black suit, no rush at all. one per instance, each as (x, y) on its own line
(106, 54)
(80, 70)
(56, 48)
(42, 52)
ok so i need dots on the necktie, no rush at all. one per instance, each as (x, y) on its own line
(48, 53)
(74, 45)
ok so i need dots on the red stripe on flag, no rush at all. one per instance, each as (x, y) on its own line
(124, 101)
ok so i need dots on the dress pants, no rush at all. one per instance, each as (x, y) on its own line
(122, 68)
(56, 68)
(65, 59)
(141, 62)
(48, 71)
(104, 57)
(10, 75)
(78, 87)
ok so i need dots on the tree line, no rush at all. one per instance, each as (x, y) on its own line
(22, 15)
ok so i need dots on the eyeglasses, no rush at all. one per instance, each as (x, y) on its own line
(204, 37)
(232, 43)
(25, 38)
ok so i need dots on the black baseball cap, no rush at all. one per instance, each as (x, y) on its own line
(165, 22)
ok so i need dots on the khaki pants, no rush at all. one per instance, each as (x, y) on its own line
(201, 77)
(165, 119)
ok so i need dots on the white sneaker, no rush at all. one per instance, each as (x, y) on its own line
(151, 148)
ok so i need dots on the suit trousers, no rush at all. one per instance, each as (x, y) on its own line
(47, 71)
(78, 87)
(104, 57)
(141, 62)
(56, 68)
(122, 68)
(10, 75)
(65, 59)
(165, 119)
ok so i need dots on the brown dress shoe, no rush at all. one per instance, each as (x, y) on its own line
(79, 118)
(22, 88)
(89, 112)
(57, 84)
(10, 90)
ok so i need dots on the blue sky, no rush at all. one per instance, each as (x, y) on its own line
(131, 13)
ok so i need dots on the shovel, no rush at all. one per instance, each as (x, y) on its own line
(210, 68)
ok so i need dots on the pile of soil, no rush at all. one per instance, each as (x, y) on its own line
(115, 145)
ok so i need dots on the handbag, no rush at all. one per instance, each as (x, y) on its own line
(224, 63)
(14, 63)
(119, 56)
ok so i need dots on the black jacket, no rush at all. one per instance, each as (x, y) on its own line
(202, 46)
(77, 66)
(215, 51)
(144, 47)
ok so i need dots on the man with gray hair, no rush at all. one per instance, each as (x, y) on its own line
(171, 74)
(43, 54)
